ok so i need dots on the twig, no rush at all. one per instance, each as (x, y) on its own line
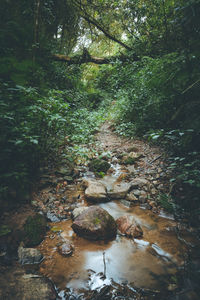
(188, 88)
(155, 159)
(104, 263)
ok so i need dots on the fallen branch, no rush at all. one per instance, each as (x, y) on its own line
(85, 57)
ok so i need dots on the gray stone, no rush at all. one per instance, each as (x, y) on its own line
(119, 190)
(138, 182)
(95, 191)
(29, 255)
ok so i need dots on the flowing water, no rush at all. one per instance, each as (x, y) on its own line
(149, 262)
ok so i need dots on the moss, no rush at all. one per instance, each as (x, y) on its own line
(129, 161)
(100, 174)
(56, 229)
(34, 230)
(4, 230)
(99, 165)
(97, 221)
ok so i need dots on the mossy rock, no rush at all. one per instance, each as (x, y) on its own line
(129, 161)
(34, 230)
(99, 165)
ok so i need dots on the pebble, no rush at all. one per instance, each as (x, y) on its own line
(66, 249)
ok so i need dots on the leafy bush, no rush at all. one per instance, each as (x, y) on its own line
(33, 127)
(150, 93)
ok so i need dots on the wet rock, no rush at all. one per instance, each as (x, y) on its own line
(127, 226)
(99, 165)
(95, 191)
(77, 211)
(34, 230)
(66, 249)
(29, 255)
(95, 223)
(119, 190)
(52, 217)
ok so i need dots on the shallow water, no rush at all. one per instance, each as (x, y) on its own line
(148, 262)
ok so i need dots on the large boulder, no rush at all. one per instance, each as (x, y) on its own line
(15, 284)
(95, 223)
(95, 191)
(119, 190)
(127, 226)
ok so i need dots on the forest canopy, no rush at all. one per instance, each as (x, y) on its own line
(63, 63)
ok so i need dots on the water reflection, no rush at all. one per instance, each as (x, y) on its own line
(142, 261)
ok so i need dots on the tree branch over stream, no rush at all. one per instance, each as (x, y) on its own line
(85, 57)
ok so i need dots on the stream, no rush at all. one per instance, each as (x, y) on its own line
(148, 263)
(162, 264)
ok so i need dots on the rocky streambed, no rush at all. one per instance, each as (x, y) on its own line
(108, 237)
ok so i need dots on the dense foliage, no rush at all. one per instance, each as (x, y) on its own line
(151, 89)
